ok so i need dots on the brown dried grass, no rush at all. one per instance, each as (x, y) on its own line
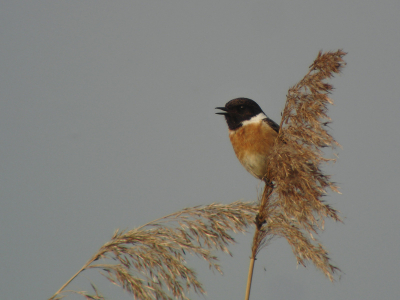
(148, 261)
(292, 204)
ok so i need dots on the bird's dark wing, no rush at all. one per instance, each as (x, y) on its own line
(272, 124)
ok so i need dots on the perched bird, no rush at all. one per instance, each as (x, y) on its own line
(252, 134)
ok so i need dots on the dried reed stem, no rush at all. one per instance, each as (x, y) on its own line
(259, 234)
(73, 277)
(249, 278)
(291, 205)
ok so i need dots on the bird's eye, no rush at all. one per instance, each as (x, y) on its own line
(241, 108)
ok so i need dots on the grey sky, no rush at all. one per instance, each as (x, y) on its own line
(107, 121)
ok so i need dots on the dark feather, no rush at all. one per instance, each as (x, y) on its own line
(272, 124)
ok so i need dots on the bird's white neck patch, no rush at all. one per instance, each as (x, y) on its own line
(256, 119)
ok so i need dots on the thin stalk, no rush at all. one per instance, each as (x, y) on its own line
(257, 239)
(76, 274)
(249, 278)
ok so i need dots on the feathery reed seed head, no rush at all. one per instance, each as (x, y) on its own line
(293, 207)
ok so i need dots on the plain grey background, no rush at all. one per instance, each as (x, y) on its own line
(107, 121)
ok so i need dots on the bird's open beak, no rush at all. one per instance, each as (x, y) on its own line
(221, 113)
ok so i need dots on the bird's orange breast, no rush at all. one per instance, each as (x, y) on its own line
(252, 144)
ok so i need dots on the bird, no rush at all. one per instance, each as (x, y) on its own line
(251, 133)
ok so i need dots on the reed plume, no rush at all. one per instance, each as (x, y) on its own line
(148, 262)
(292, 204)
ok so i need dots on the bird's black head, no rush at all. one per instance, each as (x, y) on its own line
(238, 110)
